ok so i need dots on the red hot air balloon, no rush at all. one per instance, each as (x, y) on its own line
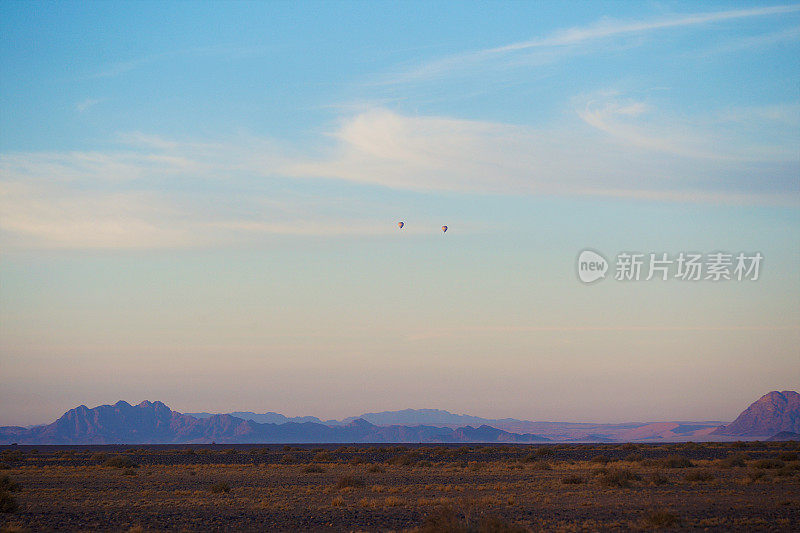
(400, 225)
(444, 229)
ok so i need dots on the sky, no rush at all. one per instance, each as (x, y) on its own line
(199, 205)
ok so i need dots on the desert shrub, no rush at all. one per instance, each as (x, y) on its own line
(629, 446)
(7, 502)
(788, 456)
(677, 461)
(700, 475)
(602, 459)
(660, 518)
(617, 477)
(99, 456)
(786, 471)
(9, 456)
(657, 478)
(405, 459)
(314, 469)
(289, 459)
(545, 451)
(120, 461)
(287, 448)
(572, 480)
(541, 465)
(442, 520)
(356, 460)
(323, 457)
(376, 469)
(769, 463)
(755, 475)
(350, 481)
(634, 457)
(446, 520)
(129, 472)
(9, 485)
(220, 487)
(424, 464)
(231, 451)
(4, 466)
(734, 460)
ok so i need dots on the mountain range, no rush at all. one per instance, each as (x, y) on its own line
(155, 423)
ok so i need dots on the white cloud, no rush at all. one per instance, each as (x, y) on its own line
(156, 192)
(632, 157)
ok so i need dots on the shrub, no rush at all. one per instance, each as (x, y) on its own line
(322, 457)
(314, 469)
(405, 459)
(120, 461)
(129, 472)
(289, 459)
(755, 475)
(7, 502)
(660, 518)
(219, 487)
(349, 481)
(734, 460)
(769, 463)
(99, 456)
(545, 451)
(376, 469)
(8, 485)
(10, 456)
(602, 459)
(677, 461)
(618, 477)
(634, 457)
(700, 475)
(572, 480)
(788, 456)
(445, 520)
(657, 478)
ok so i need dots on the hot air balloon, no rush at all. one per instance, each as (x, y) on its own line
(444, 229)
(400, 225)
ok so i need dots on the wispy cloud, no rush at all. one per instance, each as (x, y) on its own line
(84, 105)
(552, 46)
(222, 51)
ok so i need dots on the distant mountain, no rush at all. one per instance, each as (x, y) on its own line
(414, 417)
(271, 418)
(772, 413)
(155, 423)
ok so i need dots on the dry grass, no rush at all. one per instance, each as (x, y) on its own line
(483, 487)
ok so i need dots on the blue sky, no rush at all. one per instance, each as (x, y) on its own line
(198, 204)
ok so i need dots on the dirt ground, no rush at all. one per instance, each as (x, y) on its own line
(561, 487)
